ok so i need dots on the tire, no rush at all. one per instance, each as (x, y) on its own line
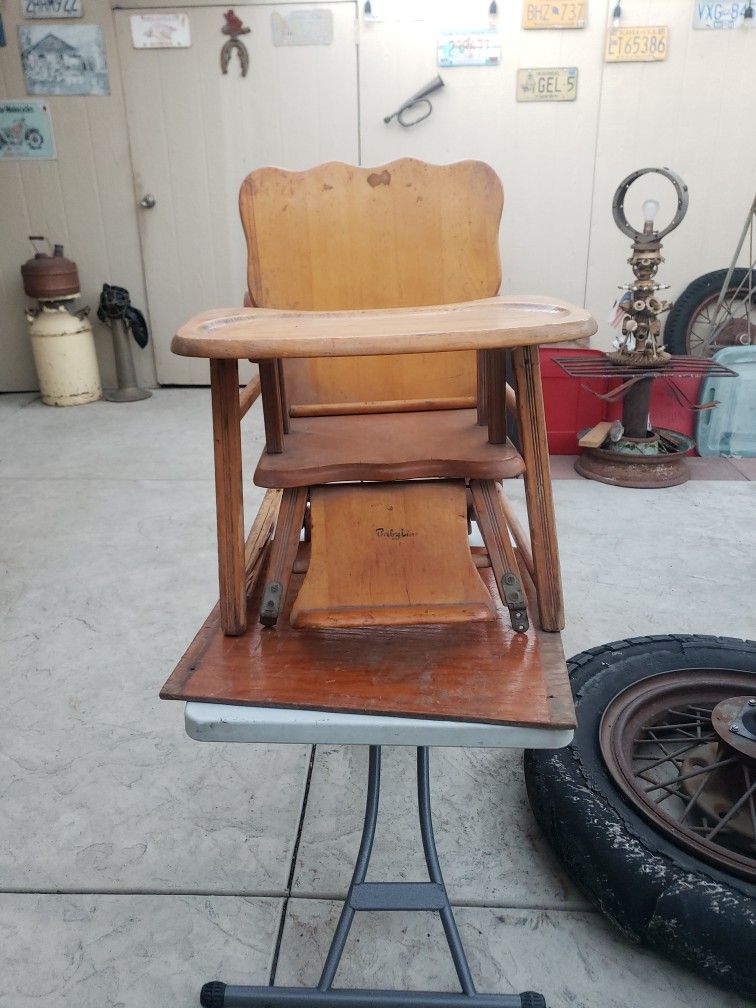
(34, 139)
(656, 892)
(694, 299)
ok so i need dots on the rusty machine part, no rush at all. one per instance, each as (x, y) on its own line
(50, 277)
(641, 456)
(681, 747)
(639, 343)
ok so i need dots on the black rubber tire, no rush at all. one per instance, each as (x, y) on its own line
(653, 891)
(687, 306)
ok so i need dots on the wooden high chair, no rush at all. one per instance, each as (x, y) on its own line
(381, 348)
(361, 405)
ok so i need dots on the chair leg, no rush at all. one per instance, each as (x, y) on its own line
(283, 553)
(229, 499)
(538, 494)
(487, 502)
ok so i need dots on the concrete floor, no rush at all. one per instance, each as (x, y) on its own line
(136, 864)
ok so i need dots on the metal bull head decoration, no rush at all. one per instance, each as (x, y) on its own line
(234, 27)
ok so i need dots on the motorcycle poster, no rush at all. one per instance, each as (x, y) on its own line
(26, 130)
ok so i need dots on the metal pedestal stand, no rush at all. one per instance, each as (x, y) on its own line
(362, 895)
(128, 389)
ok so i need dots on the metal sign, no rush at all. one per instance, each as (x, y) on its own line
(51, 9)
(637, 44)
(63, 59)
(718, 15)
(302, 28)
(541, 84)
(160, 31)
(26, 131)
(554, 15)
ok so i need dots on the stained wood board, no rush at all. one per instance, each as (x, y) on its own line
(479, 671)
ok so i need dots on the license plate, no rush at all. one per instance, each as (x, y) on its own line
(539, 84)
(51, 8)
(644, 44)
(553, 15)
(718, 14)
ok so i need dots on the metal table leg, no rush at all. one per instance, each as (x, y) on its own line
(362, 895)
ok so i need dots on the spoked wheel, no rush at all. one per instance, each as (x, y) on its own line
(681, 747)
(652, 808)
(695, 327)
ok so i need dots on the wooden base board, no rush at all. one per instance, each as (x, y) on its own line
(480, 671)
(375, 558)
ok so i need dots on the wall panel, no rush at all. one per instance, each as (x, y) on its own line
(84, 199)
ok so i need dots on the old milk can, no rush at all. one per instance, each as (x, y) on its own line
(62, 340)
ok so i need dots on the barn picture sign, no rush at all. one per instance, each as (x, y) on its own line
(63, 59)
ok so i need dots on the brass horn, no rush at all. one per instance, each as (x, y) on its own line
(419, 98)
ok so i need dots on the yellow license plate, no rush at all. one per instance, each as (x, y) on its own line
(637, 44)
(539, 84)
(553, 15)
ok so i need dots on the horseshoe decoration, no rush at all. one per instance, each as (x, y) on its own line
(234, 27)
(225, 55)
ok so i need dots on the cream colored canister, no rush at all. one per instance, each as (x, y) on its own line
(64, 355)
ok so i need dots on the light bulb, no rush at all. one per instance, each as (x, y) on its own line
(749, 17)
(617, 15)
(650, 210)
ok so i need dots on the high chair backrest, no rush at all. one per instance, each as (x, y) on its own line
(402, 235)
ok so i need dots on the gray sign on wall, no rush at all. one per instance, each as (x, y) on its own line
(64, 59)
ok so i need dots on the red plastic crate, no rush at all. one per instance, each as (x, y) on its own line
(569, 407)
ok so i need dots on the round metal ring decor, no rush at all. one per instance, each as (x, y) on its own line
(618, 204)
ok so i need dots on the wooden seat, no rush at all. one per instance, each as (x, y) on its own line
(390, 446)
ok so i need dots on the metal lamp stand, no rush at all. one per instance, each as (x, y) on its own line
(412, 897)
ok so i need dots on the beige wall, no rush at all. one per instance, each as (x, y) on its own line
(84, 199)
(560, 162)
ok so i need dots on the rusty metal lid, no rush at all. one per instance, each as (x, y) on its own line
(47, 277)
